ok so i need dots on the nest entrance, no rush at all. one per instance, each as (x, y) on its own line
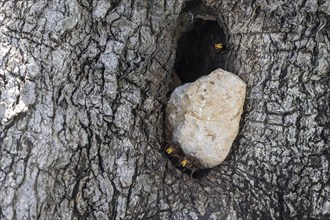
(198, 51)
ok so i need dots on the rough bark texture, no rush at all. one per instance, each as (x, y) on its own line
(83, 87)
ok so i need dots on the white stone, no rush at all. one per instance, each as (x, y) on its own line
(204, 116)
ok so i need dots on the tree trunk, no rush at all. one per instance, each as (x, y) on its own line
(83, 85)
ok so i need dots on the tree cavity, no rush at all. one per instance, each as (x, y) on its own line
(201, 49)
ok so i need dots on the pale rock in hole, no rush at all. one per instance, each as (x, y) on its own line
(204, 116)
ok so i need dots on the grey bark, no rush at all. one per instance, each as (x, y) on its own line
(82, 90)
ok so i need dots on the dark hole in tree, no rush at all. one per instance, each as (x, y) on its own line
(196, 52)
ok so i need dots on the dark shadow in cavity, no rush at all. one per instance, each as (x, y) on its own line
(196, 54)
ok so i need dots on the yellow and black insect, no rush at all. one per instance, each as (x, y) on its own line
(186, 163)
(173, 150)
(189, 164)
(218, 47)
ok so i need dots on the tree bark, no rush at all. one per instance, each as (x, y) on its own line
(83, 86)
